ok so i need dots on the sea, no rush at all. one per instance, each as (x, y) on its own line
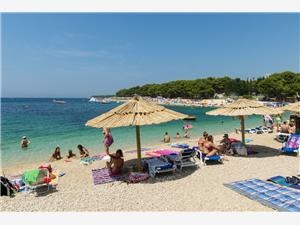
(48, 124)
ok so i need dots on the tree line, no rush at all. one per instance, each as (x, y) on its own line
(277, 85)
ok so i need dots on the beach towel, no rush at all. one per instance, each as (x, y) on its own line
(135, 177)
(158, 153)
(283, 182)
(292, 145)
(34, 176)
(178, 145)
(268, 194)
(102, 176)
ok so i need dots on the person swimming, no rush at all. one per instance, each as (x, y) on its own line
(56, 154)
(116, 162)
(177, 135)
(24, 142)
(83, 151)
(167, 138)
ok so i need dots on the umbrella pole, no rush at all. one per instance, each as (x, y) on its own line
(138, 145)
(243, 128)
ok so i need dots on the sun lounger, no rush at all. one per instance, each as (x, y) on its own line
(292, 144)
(158, 165)
(203, 158)
(282, 137)
(185, 158)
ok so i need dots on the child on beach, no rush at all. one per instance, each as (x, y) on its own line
(56, 155)
(83, 151)
(107, 140)
(71, 154)
(116, 162)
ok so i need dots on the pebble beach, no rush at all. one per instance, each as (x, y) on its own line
(192, 189)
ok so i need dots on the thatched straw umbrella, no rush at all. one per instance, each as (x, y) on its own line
(136, 112)
(242, 108)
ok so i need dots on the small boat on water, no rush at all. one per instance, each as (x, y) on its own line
(190, 118)
(58, 101)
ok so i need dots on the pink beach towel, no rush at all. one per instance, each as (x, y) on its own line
(158, 153)
(102, 176)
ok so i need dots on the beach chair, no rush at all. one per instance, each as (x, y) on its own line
(203, 158)
(35, 179)
(292, 144)
(185, 158)
(158, 165)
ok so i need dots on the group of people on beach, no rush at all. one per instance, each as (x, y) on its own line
(115, 164)
(186, 134)
(287, 127)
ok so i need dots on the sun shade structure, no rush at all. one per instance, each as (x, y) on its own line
(135, 112)
(242, 108)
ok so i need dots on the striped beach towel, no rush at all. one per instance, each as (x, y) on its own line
(268, 194)
(102, 176)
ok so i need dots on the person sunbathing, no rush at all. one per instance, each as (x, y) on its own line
(83, 151)
(209, 148)
(116, 162)
(71, 154)
(56, 155)
(202, 140)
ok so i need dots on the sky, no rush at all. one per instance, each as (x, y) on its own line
(80, 55)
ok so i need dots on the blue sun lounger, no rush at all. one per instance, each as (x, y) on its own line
(205, 158)
(292, 144)
(185, 158)
(157, 165)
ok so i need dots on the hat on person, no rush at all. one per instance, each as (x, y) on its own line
(24, 137)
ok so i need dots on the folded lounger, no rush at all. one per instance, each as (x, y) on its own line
(292, 144)
(205, 158)
(177, 145)
(185, 158)
(158, 165)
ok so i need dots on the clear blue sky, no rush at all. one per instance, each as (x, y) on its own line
(78, 55)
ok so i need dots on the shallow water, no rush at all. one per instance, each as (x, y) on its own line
(47, 125)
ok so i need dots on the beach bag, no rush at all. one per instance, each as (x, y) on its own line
(239, 148)
(7, 188)
(137, 177)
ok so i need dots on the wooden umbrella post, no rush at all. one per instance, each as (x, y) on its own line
(243, 128)
(138, 145)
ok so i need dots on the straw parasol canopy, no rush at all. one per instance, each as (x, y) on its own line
(242, 108)
(293, 107)
(135, 112)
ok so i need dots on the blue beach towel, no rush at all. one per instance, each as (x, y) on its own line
(268, 194)
(282, 181)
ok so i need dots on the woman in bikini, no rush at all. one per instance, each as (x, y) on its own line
(116, 163)
(209, 148)
(107, 140)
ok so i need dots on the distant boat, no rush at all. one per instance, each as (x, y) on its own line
(58, 101)
(190, 118)
(93, 99)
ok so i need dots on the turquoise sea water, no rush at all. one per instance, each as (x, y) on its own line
(47, 125)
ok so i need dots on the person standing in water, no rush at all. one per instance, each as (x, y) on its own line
(107, 140)
(24, 142)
